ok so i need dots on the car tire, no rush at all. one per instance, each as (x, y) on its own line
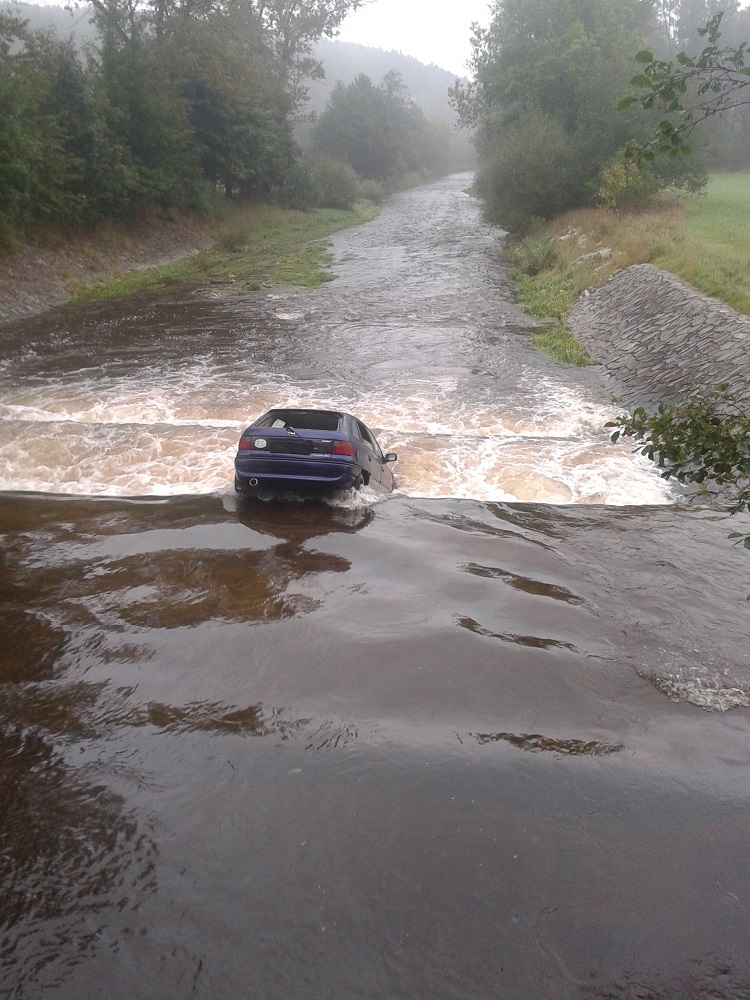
(358, 482)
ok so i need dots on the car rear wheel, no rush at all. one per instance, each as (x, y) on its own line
(358, 482)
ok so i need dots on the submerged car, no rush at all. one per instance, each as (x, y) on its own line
(314, 450)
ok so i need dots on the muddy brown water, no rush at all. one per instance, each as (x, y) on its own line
(487, 737)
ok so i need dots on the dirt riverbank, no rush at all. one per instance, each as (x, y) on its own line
(36, 278)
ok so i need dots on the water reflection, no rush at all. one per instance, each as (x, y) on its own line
(72, 854)
(296, 520)
(160, 567)
(30, 647)
(214, 717)
(522, 583)
(534, 742)
(532, 641)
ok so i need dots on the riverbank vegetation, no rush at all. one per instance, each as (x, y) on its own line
(553, 116)
(255, 246)
(176, 108)
(701, 239)
(703, 441)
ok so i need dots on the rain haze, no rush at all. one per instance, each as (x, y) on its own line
(433, 31)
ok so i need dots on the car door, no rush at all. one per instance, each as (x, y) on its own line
(375, 460)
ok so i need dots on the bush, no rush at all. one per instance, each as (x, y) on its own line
(533, 172)
(299, 186)
(537, 252)
(335, 185)
(625, 185)
(372, 191)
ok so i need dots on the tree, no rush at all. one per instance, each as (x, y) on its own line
(293, 26)
(35, 165)
(704, 441)
(238, 109)
(565, 64)
(692, 88)
(378, 130)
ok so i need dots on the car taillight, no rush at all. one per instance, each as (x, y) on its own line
(342, 448)
(247, 441)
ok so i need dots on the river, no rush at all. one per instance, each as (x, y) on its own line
(486, 737)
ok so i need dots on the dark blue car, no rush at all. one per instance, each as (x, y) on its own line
(318, 450)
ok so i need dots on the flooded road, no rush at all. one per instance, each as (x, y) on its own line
(487, 737)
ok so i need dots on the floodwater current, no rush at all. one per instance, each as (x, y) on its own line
(487, 737)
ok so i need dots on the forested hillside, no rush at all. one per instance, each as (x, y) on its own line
(77, 23)
(126, 105)
(427, 87)
(344, 61)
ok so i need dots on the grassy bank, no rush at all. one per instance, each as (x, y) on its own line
(703, 239)
(258, 245)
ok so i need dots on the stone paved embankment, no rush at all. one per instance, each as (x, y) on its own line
(660, 339)
(38, 278)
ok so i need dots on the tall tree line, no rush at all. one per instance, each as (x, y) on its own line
(549, 75)
(178, 99)
(380, 132)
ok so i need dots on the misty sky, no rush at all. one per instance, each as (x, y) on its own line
(434, 31)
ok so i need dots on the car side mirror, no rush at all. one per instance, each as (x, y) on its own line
(391, 457)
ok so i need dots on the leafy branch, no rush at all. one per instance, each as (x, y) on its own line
(691, 87)
(704, 441)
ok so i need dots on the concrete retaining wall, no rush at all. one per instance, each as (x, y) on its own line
(659, 339)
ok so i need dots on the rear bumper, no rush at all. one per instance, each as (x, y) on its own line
(291, 470)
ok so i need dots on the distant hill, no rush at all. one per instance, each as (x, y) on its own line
(65, 23)
(428, 85)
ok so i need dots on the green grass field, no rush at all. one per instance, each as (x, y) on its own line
(715, 252)
(704, 239)
(257, 245)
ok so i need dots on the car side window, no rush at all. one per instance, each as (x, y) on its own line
(369, 439)
(365, 435)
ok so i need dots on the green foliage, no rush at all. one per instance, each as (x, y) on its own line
(624, 185)
(537, 252)
(548, 292)
(687, 90)
(372, 191)
(175, 101)
(559, 342)
(533, 171)
(380, 132)
(545, 69)
(334, 184)
(299, 188)
(704, 441)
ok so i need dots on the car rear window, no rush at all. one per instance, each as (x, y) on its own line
(306, 420)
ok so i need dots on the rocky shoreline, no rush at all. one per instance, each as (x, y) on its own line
(38, 278)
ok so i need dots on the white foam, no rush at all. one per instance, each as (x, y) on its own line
(172, 432)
